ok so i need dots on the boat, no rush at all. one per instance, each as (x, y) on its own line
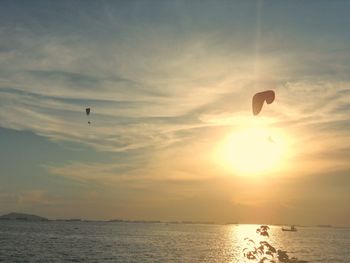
(292, 228)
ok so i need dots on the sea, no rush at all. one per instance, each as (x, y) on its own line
(81, 241)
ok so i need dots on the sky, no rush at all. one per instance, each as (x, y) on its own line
(172, 134)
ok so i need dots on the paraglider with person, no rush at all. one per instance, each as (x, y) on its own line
(87, 111)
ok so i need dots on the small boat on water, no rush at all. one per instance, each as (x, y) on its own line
(292, 228)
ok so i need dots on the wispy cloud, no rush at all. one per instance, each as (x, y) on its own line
(37, 197)
(151, 88)
(166, 81)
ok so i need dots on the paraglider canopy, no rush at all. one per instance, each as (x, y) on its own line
(260, 98)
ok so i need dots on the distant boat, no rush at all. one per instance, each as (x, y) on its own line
(292, 228)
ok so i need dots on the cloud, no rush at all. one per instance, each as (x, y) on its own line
(46, 84)
(167, 82)
(155, 85)
(33, 198)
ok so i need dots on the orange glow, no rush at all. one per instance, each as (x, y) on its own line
(253, 150)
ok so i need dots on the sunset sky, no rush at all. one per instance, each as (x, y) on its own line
(172, 134)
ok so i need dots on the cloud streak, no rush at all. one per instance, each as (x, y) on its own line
(166, 82)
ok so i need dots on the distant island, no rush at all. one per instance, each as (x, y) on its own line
(30, 217)
(133, 221)
(14, 216)
(23, 217)
(167, 222)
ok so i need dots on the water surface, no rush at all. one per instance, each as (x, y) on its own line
(56, 241)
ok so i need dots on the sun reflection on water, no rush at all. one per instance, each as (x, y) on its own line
(238, 233)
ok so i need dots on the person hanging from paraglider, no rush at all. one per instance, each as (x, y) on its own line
(87, 111)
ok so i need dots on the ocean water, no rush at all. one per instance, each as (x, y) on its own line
(57, 241)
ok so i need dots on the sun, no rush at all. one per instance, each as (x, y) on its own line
(252, 151)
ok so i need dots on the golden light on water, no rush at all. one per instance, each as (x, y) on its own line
(239, 236)
(253, 150)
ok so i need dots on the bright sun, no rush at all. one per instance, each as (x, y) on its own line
(252, 151)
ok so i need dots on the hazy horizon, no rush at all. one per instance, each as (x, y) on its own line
(172, 134)
(154, 220)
